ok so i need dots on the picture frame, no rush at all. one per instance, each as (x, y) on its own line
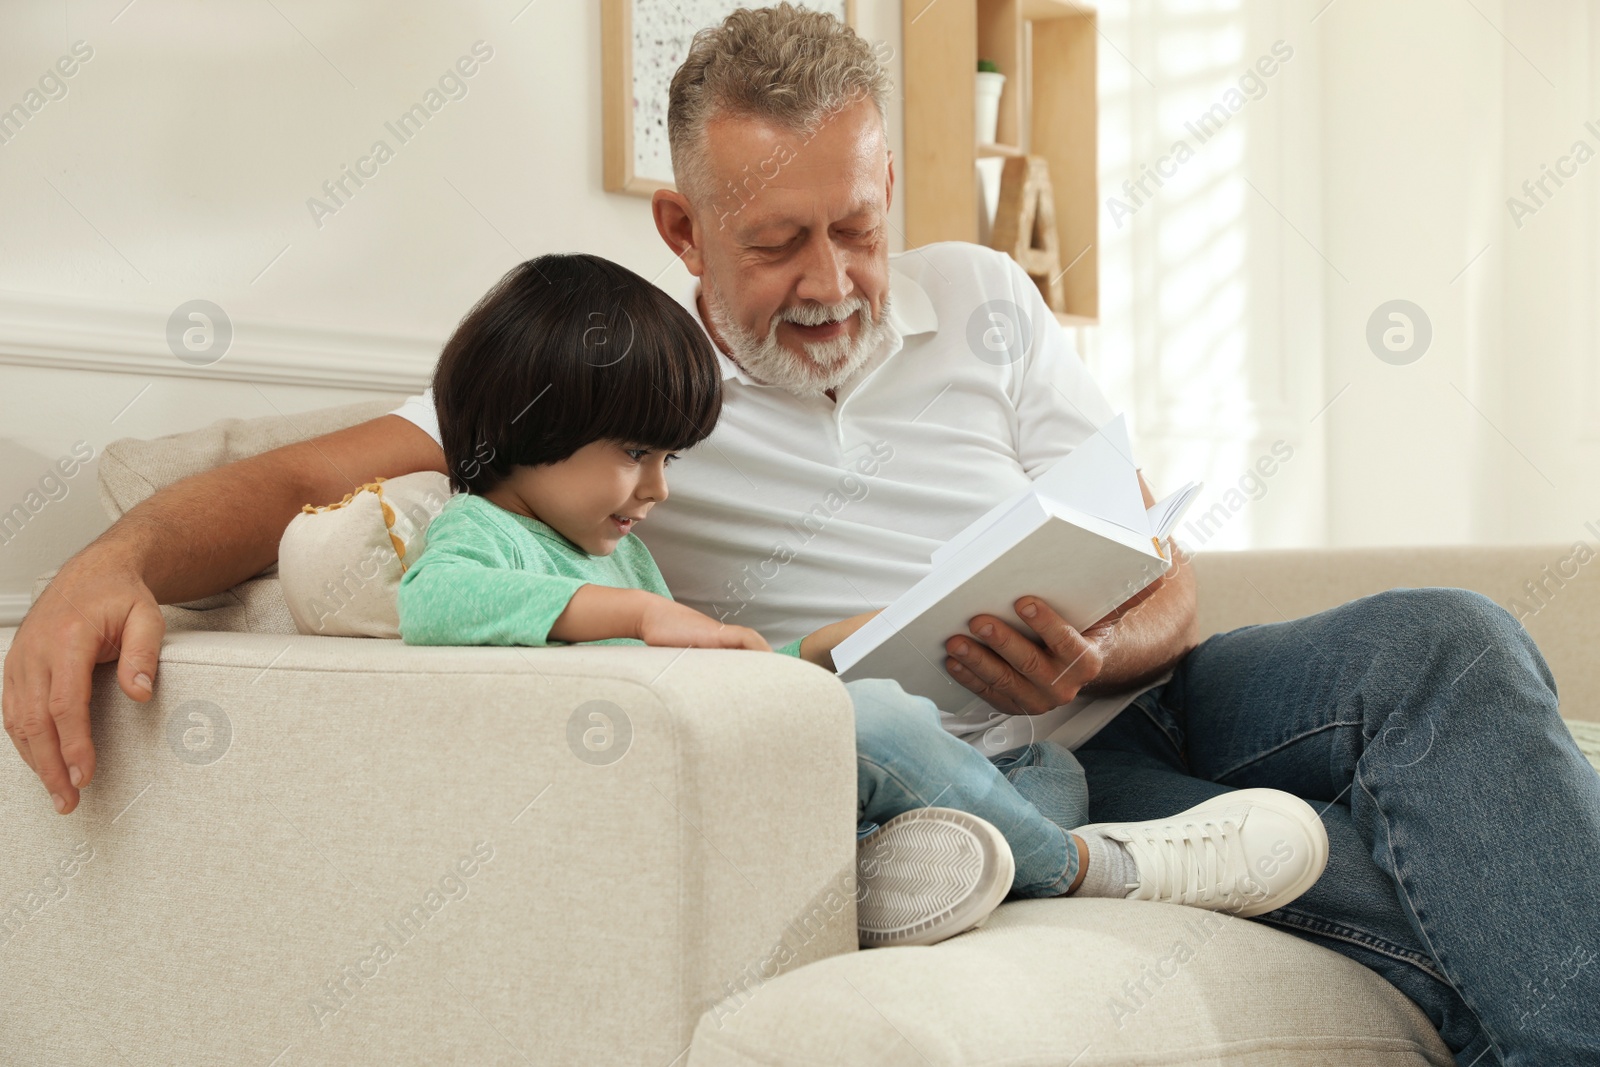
(642, 43)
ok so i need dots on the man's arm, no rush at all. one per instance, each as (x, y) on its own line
(1135, 644)
(194, 538)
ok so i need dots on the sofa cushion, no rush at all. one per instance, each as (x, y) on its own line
(132, 469)
(340, 564)
(1587, 734)
(1086, 982)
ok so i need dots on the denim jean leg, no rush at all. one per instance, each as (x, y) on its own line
(1431, 719)
(1137, 771)
(906, 759)
(1050, 778)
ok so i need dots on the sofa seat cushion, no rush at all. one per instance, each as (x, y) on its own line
(1587, 734)
(1081, 982)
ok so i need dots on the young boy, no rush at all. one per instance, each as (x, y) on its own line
(562, 398)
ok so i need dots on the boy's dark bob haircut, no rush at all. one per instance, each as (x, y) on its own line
(566, 350)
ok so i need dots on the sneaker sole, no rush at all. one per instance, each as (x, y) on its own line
(929, 874)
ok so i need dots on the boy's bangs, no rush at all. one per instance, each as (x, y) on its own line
(669, 402)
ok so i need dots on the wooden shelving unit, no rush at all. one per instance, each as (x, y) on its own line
(1046, 49)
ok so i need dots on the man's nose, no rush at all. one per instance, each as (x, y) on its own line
(824, 279)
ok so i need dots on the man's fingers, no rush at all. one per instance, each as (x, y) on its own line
(38, 723)
(1024, 656)
(11, 704)
(987, 675)
(70, 683)
(141, 650)
(980, 687)
(1064, 642)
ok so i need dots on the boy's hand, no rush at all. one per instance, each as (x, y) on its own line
(818, 645)
(666, 622)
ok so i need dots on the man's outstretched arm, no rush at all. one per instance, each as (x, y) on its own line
(195, 538)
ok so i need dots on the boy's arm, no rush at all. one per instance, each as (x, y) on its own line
(466, 592)
(817, 646)
(466, 589)
(597, 611)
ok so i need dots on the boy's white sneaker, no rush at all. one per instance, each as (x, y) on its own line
(1247, 852)
(929, 874)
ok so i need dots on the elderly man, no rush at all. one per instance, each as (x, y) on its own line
(861, 428)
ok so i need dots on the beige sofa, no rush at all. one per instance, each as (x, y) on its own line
(315, 850)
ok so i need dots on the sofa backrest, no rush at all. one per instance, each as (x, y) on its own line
(1236, 588)
(1548, 588)
(132, 469)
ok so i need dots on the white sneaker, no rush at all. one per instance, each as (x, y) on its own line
(1247, 852)
(929, 874)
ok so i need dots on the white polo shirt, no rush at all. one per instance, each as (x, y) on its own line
(797, 512)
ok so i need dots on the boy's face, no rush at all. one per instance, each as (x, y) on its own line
(594, 497)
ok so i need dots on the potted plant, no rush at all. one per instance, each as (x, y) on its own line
(990, 84)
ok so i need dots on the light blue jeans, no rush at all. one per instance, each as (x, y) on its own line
(1463, 822)
(1033, 795)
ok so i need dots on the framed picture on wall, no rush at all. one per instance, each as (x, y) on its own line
(642, 44)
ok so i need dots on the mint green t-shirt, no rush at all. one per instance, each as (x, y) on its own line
(489, 576)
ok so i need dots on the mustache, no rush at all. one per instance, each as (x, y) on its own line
(818, 314)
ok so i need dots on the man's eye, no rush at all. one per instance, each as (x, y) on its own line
(670, 457)
(636, 454)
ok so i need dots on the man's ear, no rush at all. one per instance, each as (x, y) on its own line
(675, 223)
(888, 190)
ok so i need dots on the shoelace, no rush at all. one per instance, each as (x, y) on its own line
(1189, 863)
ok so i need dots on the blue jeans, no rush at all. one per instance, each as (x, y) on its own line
(1463, 822)
(1033, 795)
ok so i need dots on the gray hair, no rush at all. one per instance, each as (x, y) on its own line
(785, 64)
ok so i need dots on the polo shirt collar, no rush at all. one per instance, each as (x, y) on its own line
(910, 312)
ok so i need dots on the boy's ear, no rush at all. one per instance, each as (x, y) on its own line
(675, 222)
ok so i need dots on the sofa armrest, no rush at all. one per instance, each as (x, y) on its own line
(372, 852)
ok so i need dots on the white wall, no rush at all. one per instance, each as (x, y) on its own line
(1414, 108)
(1549, 378)
(178, 166)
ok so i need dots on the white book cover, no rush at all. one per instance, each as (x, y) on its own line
(1080, 538)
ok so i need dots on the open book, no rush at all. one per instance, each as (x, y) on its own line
(1080, 538)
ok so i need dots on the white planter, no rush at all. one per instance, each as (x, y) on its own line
(990, 85)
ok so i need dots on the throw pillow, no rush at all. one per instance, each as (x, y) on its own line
(340, 564)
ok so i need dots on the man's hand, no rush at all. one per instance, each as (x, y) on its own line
(665, 622)
(174, 547)
(1136, 643)
(1017, 676)
(91, 612)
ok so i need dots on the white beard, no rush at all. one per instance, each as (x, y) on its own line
(826, 365)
